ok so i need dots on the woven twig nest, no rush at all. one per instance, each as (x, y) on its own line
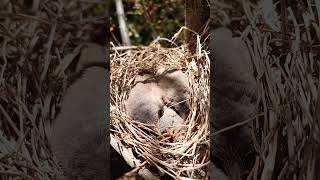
(186, 154)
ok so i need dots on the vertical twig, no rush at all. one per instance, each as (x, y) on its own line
(122, 23)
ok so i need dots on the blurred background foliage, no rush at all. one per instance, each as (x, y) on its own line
(146, 20)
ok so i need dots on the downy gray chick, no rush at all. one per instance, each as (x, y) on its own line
(145, 103)
(234, 101)
(177, 91)
(233, 69)
(170, 119)
(91, 55)
(216, 173)
(79, 134)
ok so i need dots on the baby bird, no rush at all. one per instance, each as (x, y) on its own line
(145, 103)
(234, 101)
(216, 173)
(233, 69)
(170, 119)
(177, 91)
(91, 55)
(79, 133)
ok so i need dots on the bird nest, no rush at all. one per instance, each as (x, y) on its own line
(185, 154)
(286, 134)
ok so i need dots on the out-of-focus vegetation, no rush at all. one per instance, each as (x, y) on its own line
(146, 20)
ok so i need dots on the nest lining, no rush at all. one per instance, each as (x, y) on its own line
(186, 154)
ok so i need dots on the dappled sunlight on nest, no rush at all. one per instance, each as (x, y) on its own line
(186, 153)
